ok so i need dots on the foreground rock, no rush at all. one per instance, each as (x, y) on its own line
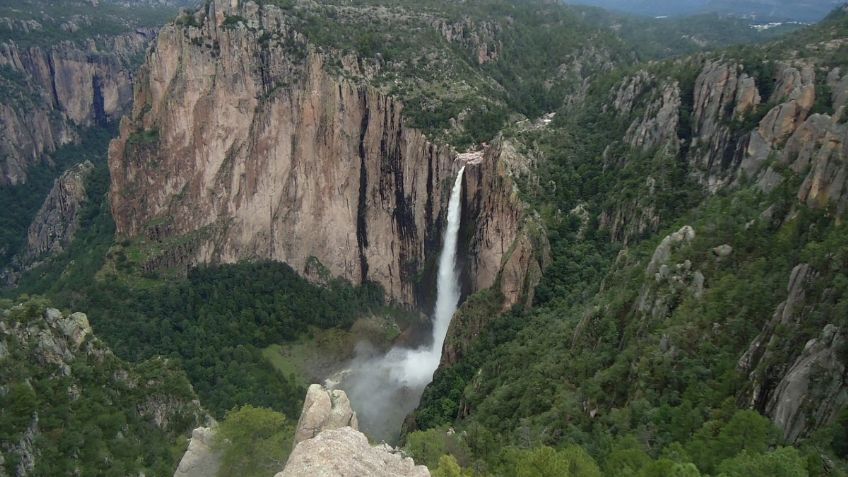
(346, 452)
(199, 460)
(328, 443)
(324, 410)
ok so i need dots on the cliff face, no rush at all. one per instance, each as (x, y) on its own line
(52, 92)
(242, 145)
(800, 385)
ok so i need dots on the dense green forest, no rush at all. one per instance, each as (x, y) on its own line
(652, 392)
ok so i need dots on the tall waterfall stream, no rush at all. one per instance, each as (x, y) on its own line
(385, 389)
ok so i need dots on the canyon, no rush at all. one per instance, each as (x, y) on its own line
(243, 146)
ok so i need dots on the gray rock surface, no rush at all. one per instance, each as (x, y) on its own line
(814, 390)
(345, 452)
(199, 460)
(323, 410)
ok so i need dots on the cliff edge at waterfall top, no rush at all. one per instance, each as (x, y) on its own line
(406, 238)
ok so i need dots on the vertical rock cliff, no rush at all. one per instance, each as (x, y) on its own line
(51, 92)
(243, 145)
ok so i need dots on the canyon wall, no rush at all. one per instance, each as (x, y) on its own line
(51, 93)
(242, 145)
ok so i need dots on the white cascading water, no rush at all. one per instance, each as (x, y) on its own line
(385, 389)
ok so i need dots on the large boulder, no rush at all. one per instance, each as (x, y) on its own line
(323, 410)
(346, 452)
(200, 459)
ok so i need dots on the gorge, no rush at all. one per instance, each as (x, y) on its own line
(510, 237)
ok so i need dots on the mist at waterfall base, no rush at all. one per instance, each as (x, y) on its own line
(385, 388)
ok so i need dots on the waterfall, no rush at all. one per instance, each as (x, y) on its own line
(447, 283)
(385, 389)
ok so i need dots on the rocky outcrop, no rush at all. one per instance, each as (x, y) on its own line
(667, 281)
(816, 149)
(328, 443)
(57, 358)
(722, 94)
(767, 343)
(814, 390)
(478, 38)
(55, 224)
(346, 452)
(242, 145)
(507, 247)
(58, 219)
(659, 104)
(52, 92)
(200, 459)
(801, 387)
(323, 410)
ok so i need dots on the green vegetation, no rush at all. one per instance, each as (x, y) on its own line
(92, 412)
(20, 203)
(253, 442)
(216, 322)
(653, 387)
(78, 21)
(147, 136)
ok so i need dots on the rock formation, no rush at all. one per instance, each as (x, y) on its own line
(722, 94)
(801, 387)
(323, 410)
(242, 145)
(199, 460)
(814, 390)
(54, 91)
(55, 224)
(329, 444)
(346, 452)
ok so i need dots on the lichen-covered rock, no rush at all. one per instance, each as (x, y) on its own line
(324, 409)
(200, 459)
(346, 452)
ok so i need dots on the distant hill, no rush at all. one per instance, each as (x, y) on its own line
(760, 10)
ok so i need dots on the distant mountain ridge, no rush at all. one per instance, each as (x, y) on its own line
(759, 10)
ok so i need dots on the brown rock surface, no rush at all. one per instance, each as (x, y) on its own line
(58, 90)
